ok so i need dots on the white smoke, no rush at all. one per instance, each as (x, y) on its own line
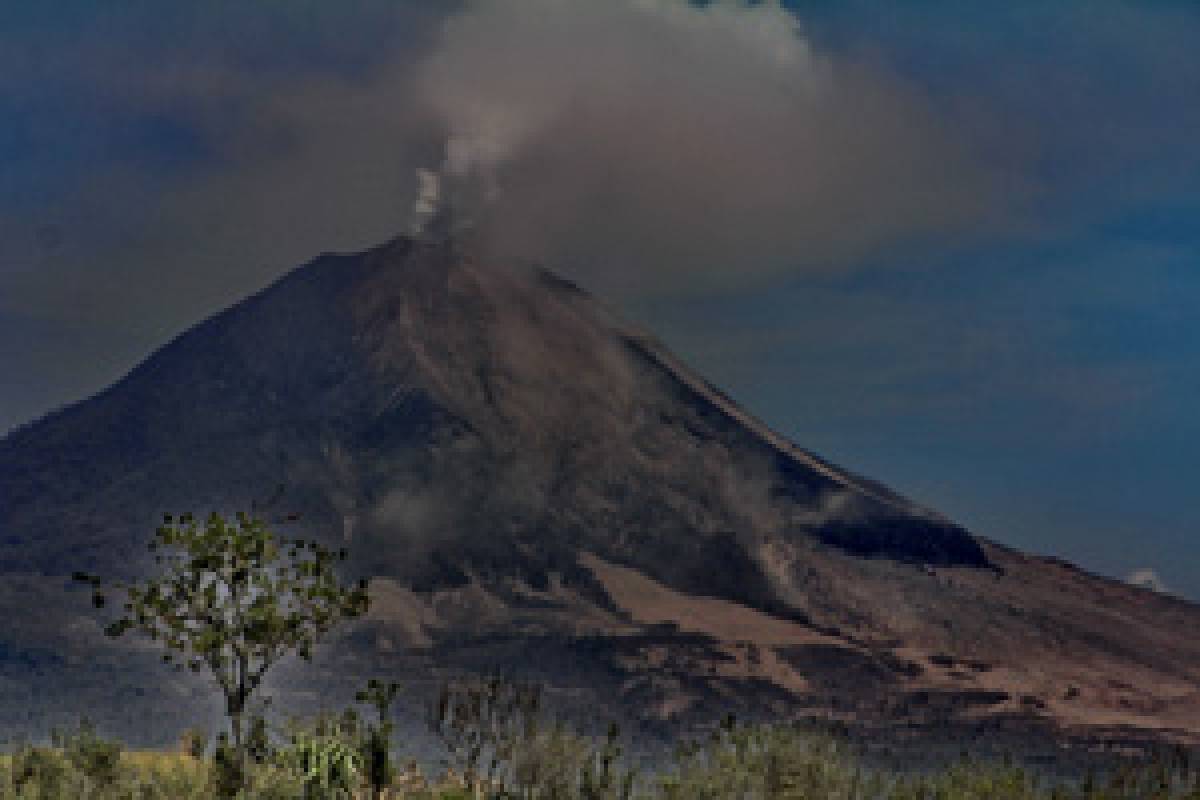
(428, 202)
(547, 58)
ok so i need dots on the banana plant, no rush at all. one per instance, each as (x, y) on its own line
(330, 768)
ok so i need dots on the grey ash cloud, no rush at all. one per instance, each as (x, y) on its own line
(188, 156)
(649, 144)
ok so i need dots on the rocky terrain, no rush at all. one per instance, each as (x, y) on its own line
(540, 489)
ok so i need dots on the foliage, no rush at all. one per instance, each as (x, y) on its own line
(233, 598)
(763, 762)
(738, 762)
(482, 722)
(783, 762)
(41, 771)
(328, 766)
(499, 740)
(82, 765)
(602, 776)
(258, 740)
(96, 758)
(376, 745)
(228, 768)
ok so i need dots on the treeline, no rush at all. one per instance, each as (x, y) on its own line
(499, 745)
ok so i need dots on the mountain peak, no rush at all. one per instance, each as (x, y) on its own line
(416, 350)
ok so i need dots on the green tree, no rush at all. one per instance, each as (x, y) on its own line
(233, 598)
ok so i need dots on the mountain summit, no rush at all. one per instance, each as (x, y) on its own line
(540, 488)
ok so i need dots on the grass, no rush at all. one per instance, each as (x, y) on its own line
(738, 762)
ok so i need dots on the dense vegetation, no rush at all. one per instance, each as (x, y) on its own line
(519, 756)
(233, 598)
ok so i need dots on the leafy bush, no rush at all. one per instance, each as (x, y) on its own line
(98, 759)
(765, 762)
(328, 766)
(502, 745)
(376, 743)
(41, 772)
(742, 762)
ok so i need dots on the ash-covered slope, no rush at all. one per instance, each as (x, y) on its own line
(538, 487)
(411, 380)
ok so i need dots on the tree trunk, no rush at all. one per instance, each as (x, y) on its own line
(235, 707)
(235, 725)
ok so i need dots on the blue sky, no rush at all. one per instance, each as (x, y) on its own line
(1030, 366)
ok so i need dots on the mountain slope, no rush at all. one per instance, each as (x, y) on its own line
(538, 487)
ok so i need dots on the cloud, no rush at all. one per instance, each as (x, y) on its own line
(1148, 579)
(656, 142)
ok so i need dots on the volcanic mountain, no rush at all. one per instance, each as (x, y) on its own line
(539, 488)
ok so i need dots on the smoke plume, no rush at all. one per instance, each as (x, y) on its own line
(641, 146)
(648, 142)
(429, 194)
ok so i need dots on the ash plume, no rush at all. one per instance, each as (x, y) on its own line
(428, 202)
(685, 143)
(640, 146)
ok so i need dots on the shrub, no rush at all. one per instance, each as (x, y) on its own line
(498, 738)
(329, 767)
(96, 758)
(376, 744)
(40, 772)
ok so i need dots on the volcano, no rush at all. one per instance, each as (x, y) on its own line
(539, 488)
